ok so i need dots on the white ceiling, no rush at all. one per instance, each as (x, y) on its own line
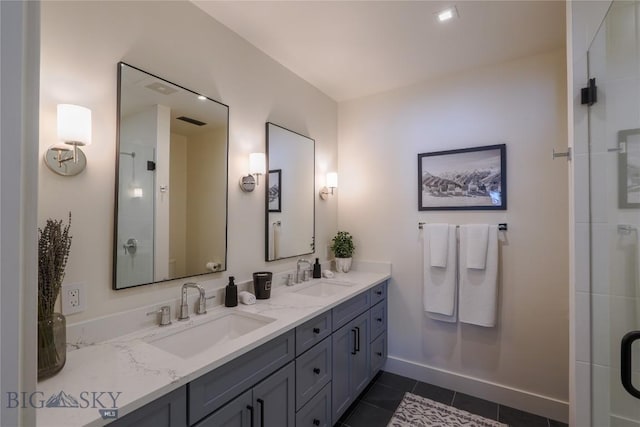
(351, 49)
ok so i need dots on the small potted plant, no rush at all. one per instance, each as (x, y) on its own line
(343, 247)
(54, 245)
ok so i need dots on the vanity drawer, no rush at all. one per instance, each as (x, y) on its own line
(378, 293)
(378, 353)
(378, 319)
(316, 413)
(214, 389)
(313, 371)
(350, 309)
(312, 332)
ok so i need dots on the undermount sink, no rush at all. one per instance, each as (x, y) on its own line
(191, 341)
(323, 289)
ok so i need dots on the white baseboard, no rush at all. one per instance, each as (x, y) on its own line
(525, 401)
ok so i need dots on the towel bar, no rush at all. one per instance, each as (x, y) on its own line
(501, 226)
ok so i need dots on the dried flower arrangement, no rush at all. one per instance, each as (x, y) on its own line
(54, 246)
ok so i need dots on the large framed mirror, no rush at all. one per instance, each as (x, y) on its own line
(171, 181)
(290, 194)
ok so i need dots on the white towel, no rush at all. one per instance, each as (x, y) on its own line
(478, 236)
(438, 244)
(440, 293)
(246, 298)
(479, 288)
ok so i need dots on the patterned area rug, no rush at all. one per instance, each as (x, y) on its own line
(417, 411)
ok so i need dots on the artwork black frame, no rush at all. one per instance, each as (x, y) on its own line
(626, 178)
(275, 176)
(455, 195)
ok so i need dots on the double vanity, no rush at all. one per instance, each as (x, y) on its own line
(299, 358)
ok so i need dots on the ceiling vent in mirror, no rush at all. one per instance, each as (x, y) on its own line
(190, 120)
(161, 88)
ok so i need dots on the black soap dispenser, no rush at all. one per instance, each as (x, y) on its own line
(317, 270)
(231, 293)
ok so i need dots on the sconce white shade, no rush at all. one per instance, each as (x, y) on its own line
(74, 124)
(332, 179)
(331, 184)
(257, 163)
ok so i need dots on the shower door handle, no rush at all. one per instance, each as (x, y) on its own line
(626, 368)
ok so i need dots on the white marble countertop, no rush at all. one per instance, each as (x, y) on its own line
(140, 372)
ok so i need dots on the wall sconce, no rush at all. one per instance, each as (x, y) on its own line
(332, 184)
(74, 131)
(257, 167)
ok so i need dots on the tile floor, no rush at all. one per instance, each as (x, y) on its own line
(376, 404)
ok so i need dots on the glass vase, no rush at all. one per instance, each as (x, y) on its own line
(52, 345)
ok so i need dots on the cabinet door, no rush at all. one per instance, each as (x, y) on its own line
(236, 413)
(169, 410)
(360, 361)
(274, 399)
(343, 348)
(351, 371)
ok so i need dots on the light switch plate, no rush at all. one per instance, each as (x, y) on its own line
(73, 298)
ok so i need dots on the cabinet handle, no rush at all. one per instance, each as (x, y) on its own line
(378, 292)
(316, 330)
(379, 353)
(358, 339)
(379, 319)
(316, 422)
(354, 341)
(316, 371)
(250, 408)
(261, 402)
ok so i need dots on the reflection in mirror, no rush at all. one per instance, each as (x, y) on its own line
(171, 181)
(290, 191)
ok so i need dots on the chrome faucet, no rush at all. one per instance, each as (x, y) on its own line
(201, 308)
(300, 277)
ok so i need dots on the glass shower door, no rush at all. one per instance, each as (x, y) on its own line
(614, 174)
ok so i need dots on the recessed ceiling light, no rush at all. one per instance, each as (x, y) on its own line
(447, 14)
(202, 97)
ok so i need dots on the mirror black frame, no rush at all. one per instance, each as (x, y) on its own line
(117, 181)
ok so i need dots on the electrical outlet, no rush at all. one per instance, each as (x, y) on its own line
(73, 298)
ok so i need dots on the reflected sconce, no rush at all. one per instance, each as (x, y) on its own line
(332, 184)
(74, 131)
(257, 167)
(137, 193)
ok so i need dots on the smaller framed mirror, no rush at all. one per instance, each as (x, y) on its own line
(290, 194)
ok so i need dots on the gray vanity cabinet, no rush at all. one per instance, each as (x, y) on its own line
(305, 377)
(350, 363)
